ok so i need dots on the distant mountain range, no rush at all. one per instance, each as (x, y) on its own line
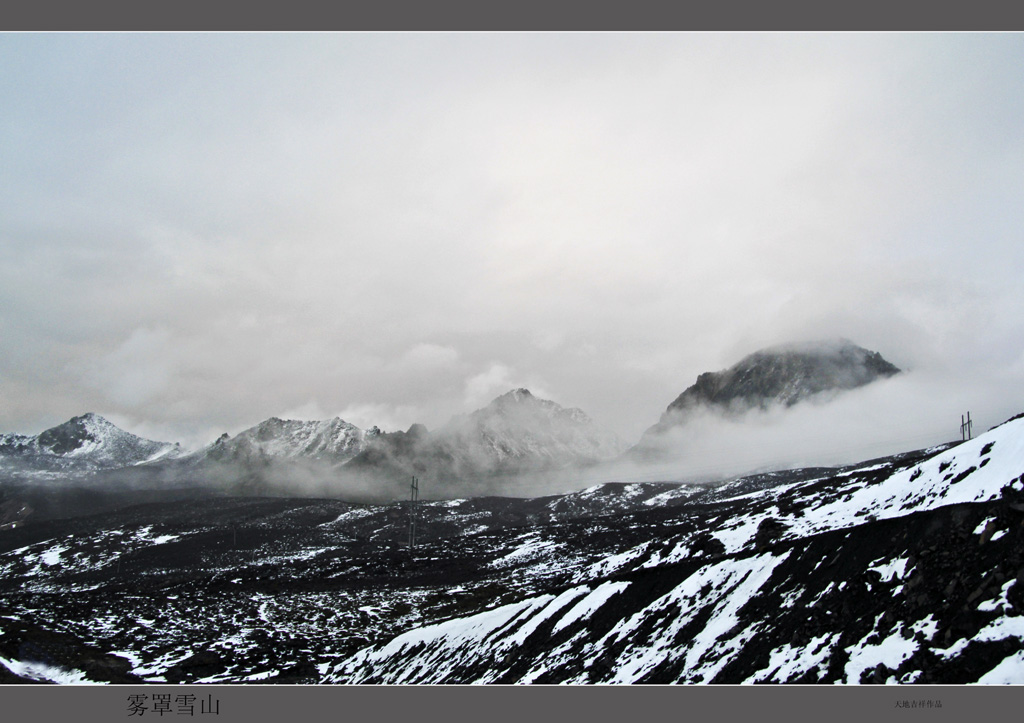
(904, 569)
(516, 434)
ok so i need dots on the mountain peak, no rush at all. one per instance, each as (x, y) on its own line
(515, 395)
(786, 374)
(519, 431)
(87, 429)
(90, 419)
(781, 375)
(517, 401)
(92, 440)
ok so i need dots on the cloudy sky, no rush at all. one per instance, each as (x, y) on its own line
(200, 231)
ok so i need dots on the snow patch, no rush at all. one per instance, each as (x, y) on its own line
(892, 570)
(789, 662)
(40, 671)
(890, 652)
(588, 605)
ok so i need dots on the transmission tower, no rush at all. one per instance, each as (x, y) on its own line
(414, 498)
(965, 427)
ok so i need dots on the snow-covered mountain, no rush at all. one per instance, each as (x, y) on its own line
(515, 434)
(84, 443)
(906, 569)
(516, 441)
(334, 440)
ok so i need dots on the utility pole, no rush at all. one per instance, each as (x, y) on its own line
(965, 427)
(414, 496)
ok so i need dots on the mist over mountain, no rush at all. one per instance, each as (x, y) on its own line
(517, 444)
(517, 434)
(776, 377)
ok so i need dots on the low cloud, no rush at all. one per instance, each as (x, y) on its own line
(909, 411)
(430, 221)
(497, 379)
(310, 411)
(137, 371)
(431, 355)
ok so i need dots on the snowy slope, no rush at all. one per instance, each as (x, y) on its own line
(701, 626)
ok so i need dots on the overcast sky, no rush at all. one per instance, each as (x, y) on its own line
(201, 231)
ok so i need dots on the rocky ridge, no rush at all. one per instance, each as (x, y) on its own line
(333, 440)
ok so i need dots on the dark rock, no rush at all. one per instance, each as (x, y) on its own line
(779, 376)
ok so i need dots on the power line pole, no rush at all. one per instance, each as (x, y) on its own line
(414, 497)
(965, 427)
